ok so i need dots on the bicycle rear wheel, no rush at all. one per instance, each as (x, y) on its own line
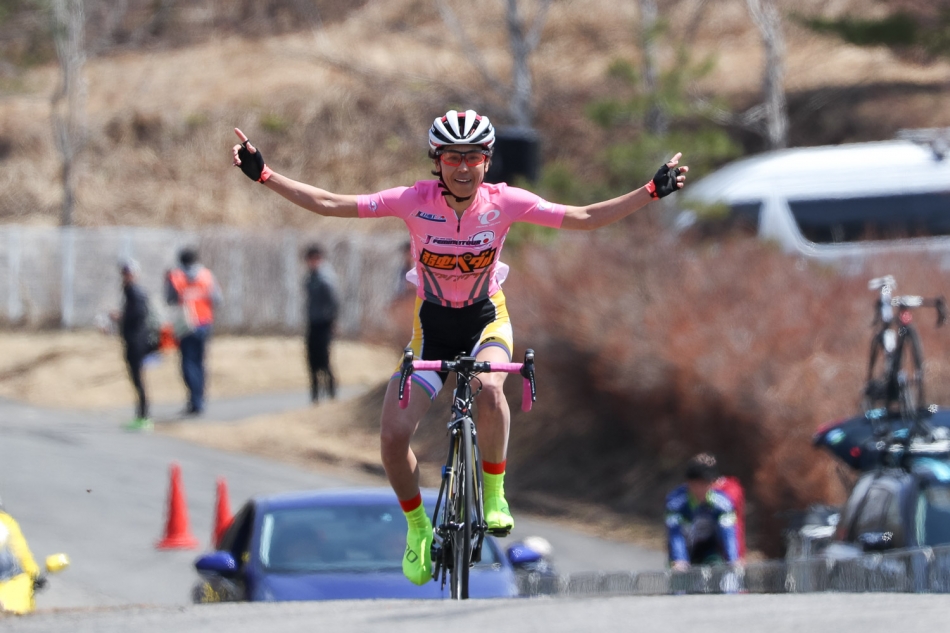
(875, 389)
(464, 513)
(910, 375)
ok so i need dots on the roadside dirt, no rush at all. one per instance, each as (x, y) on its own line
(86, 370)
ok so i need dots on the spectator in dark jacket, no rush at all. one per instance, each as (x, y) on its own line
(701, 518)
(323, 306)
(133, 322)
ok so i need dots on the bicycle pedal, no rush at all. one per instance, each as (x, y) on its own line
(501, 532)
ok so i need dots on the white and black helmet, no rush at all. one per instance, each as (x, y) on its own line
(469, 128)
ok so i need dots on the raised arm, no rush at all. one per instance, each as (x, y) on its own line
(668, 179)
(251, 162)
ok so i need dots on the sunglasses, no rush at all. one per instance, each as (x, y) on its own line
(472, 157)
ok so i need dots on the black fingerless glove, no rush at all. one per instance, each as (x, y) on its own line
(663, 183)
(253, 164)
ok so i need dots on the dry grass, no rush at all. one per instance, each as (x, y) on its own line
(86, 370)
(339, 434)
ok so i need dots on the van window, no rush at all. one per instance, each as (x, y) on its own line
(833, 220)
(745, 216)
(719, 219)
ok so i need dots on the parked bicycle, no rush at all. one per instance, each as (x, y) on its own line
(458, 518)
(900, 383)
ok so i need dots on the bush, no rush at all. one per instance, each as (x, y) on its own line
(651, 349)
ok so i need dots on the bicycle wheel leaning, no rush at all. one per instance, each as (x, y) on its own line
(909, 372)
(875, 387)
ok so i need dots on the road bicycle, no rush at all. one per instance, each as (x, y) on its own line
(900, 383)
(458, 519)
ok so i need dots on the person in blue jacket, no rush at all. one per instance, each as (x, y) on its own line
(700, 519)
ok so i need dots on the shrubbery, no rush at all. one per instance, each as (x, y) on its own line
(652, 348)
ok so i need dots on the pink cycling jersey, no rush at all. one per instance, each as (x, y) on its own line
(457, 258)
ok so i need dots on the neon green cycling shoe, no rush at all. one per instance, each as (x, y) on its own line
(417, 561)
(140, 424)
(497, 515)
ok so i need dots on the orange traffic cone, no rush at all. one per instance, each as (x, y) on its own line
(222, 513)
(177, 533)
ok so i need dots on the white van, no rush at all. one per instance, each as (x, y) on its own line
(835, 202)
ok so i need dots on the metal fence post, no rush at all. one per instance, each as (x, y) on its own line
(235, 300)
(68, 241)
(54, 274)
(291, 289)
(354, 266)
(14, 301)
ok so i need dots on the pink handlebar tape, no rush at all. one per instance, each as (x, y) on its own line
(436, 365)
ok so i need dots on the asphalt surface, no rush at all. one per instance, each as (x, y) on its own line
(814, 613)
(79, 484)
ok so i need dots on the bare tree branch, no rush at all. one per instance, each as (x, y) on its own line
(522, 41)
(655, 119)
(517, 94)
(472, 51)
(519, 103)
(766, 17)
(383, 81)
(534, 35)
(696, 21)
(68, 100)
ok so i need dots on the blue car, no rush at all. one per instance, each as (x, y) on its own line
(332, 545)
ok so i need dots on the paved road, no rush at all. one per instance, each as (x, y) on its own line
(814, 613)
(237, 409)
(79, 484)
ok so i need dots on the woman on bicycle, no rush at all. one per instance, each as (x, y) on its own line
(457, 227)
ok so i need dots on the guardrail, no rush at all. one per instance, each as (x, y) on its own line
(919, 570)
(66, 277)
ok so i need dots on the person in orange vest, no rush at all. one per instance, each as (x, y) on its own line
(193, 289)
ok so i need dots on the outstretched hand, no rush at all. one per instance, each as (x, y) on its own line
(668, 179)
(249, 159)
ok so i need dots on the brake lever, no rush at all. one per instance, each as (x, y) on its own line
(404, 374)
(530, 388)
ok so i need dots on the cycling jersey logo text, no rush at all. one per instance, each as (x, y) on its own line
(431, 217)
(466, 262)
(479, 239)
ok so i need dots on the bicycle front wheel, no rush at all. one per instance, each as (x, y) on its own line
(464, 512)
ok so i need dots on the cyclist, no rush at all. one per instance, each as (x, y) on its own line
(701, 519)
(457, 225)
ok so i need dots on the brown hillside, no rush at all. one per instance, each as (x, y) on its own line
(345, 101)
